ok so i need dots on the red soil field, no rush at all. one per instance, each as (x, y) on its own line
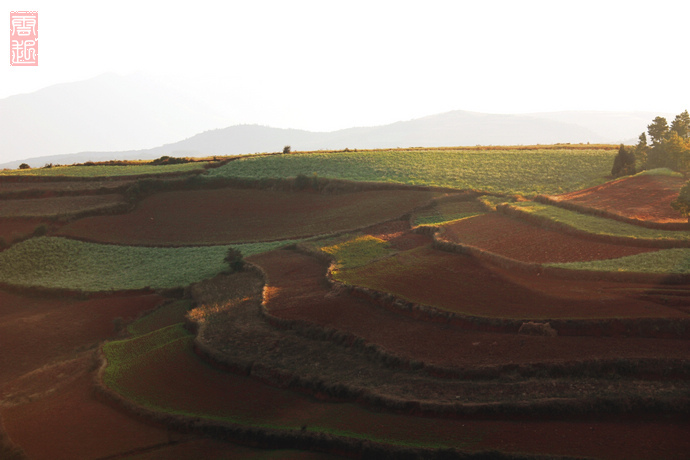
(519, 240)
(297, 290)
(40, 330)
(645, 198)
(466, 285)
(179, 381)
(240, 215)
(53, 415)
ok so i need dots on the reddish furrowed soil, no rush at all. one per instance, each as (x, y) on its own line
(297, 290)
(466, 285)
(179, 381)
(516, 239)
(39, 330)
(47, 403)
(61, 205)
(645, 198)
(52, 414)
(240, 215)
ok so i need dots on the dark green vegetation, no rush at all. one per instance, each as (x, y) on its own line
(670, 148)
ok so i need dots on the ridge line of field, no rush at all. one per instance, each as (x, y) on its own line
(679, 240)
(582, 209)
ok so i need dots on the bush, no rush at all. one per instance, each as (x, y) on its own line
(302, 182)
(287, 149)
(624, 163)
(682, 203)
(166, 160)
(235, 260)
(24, 166)
(40, 230)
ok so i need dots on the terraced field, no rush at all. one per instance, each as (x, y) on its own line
(411, 323)
(241, 215)
(644, 198)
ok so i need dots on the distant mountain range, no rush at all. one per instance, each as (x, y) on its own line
(106, 117)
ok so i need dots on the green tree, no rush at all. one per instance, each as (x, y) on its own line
(235, 260)
(657, 130)
(640, 153)
(624, 163)
(677, 152)
(681, 125)
(682, 203)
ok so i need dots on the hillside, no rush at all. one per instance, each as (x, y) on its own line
(371, 304)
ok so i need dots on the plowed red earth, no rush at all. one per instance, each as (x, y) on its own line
(515, 239)
(239, 215)
(53, 415)
(35, 331)
(640, 197)
(297, 290)
(465, 285)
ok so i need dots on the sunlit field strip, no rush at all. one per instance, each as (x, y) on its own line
(104, 170)
(598, 225)
(512, 171)
(665, 261)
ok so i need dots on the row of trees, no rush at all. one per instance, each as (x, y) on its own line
(669, 147)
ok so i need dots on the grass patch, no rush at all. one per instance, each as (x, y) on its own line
(62, 263)
(61, 206)
(165, 316)
(105, 170)
(660, 172)
(598, 225)
(448, 210)
(665, 261)
(511, 171)
(358, 251)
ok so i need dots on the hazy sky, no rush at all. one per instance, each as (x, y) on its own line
(324, 65)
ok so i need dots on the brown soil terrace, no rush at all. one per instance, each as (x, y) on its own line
(297, 291)
(224, 216)
(519, 240)
(642, 198)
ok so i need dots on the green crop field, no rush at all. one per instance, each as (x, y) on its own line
(105, 170)
(665, 261)
(597, 225)
(62, 263)
(358, 251)
(510, 171)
